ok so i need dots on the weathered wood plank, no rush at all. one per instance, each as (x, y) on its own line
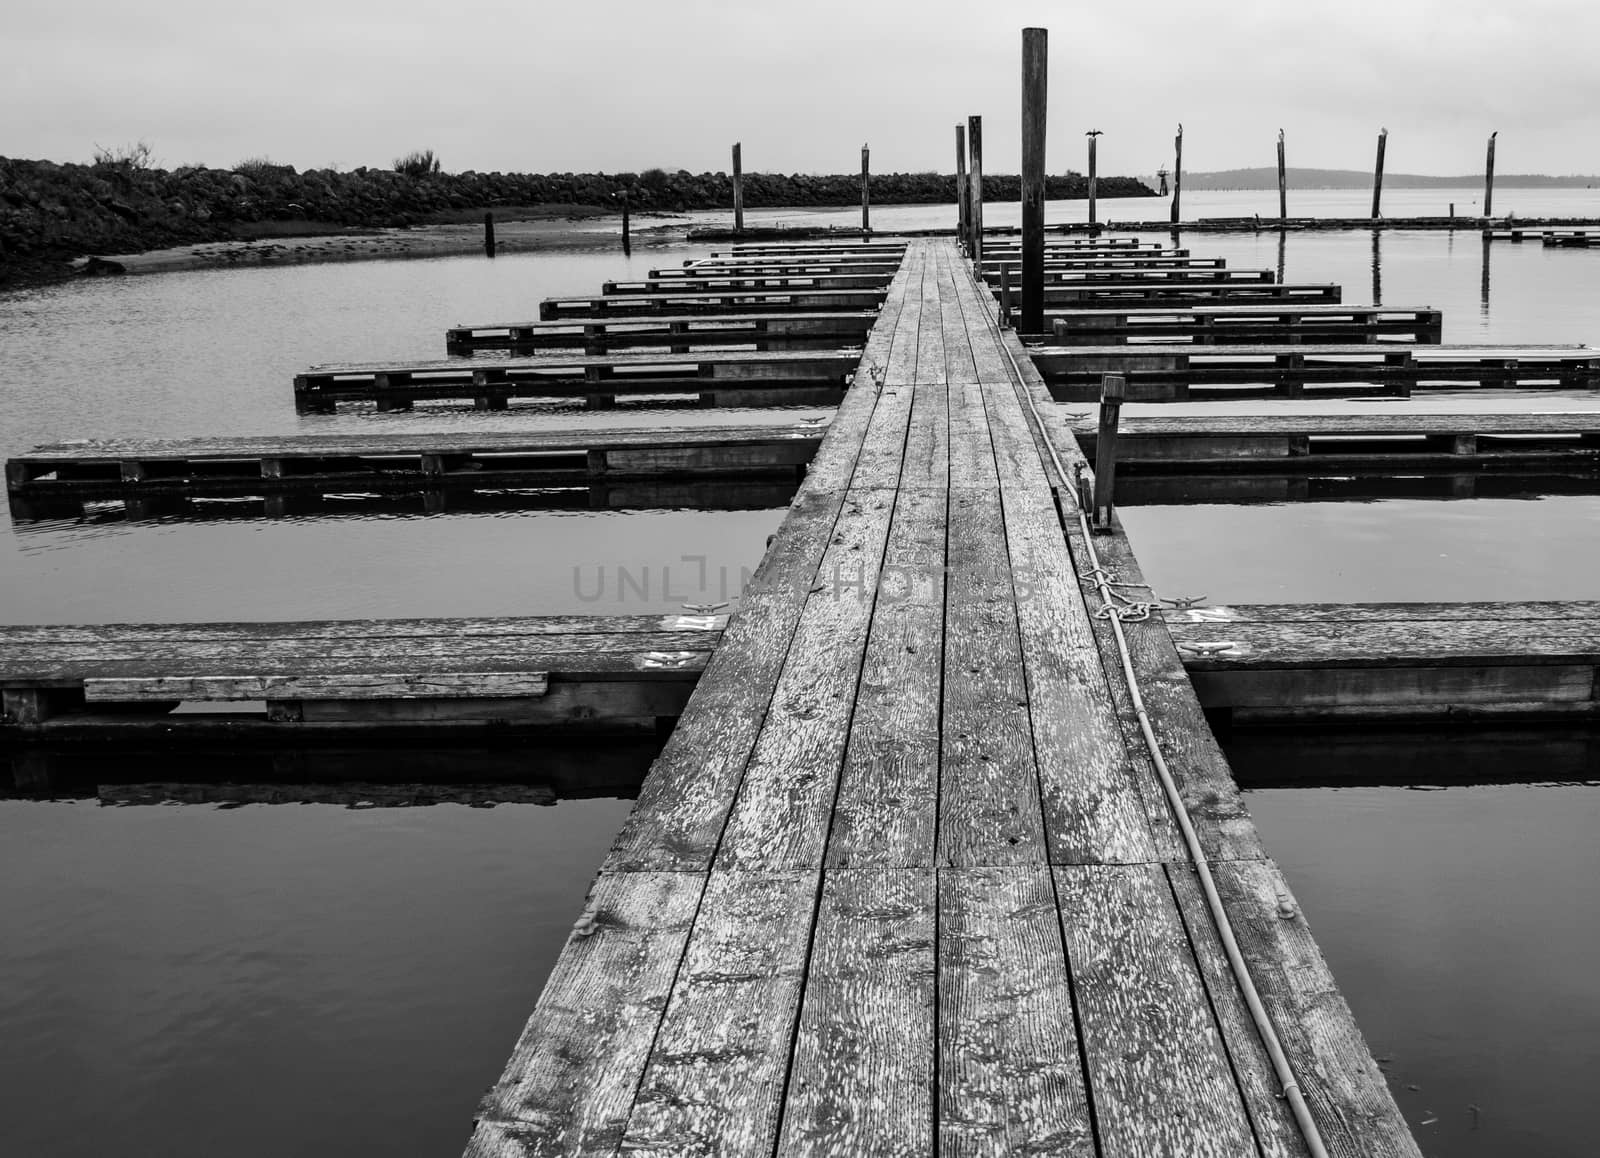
(989, 810)
(1160, 1078)
(781, 816)
(715, 1081)
(887, 808)
(570, 1083)
(862, 1076)
(373, 686)
(685, 800)
(1011, 1078)
(1349, 1098)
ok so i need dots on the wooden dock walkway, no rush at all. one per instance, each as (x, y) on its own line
(1183, 373)
(903, 879)
(1347, 663)
(1242, 325)
(712, 376)
(599, 335)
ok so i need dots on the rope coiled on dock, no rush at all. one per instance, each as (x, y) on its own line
(1117, 609)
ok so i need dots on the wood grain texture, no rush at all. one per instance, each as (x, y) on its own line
(1160, 1078)
(862, 1078)
(784, 807)
(570, 1083)
(989, 812)
(886, 812)
(1349, 1098)
(304, 686)
(685, 800)
(1011, 1080)
(716, 1078)
(1277, 1133)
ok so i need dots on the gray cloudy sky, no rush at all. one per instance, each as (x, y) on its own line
(632, 84)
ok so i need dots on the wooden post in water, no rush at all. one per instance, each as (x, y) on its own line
(962, 226)
(1377, 173)
(738, 190)
(1093, 135)
(1177, 173)
(975, 183)
(866, 198)
(627, 239)
(488, 234)
(1113, 388)
(1283, 182)
(1035, 83)
(1488, 179)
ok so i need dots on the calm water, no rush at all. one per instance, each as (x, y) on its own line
(194, 965)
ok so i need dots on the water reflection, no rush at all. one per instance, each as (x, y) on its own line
(35, 515)
(1377, 267)
(1484, 290)
(199, 771)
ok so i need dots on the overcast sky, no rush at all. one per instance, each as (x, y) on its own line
(632, 84)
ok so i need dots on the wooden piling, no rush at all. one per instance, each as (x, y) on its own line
(866, 197)
(1177, 173)
(1005, 294)
(1092, 134)
(962, 206)
(738, 190)
(1283, 182)
(627, 238)
(1035, 84)
(1113, 388)
(488, 234)
(975, 190)
(1377, 173)
(1488, 179)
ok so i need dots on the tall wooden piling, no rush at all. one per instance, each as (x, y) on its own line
(627, 238)
(1177, 174)
(1283, 182)
(1093, 135)
(1113, 388)
(1488, 178)
(866, 196)
(975, 188)
(488, 234)
(1035, 83)
(963, 226)
(1377, 173)
(738, 190)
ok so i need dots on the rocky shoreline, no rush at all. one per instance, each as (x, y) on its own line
(55, 215)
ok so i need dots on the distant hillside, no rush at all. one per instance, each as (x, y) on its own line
(1266, 177)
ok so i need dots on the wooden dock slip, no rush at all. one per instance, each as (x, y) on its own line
(1142, 275)
(797, 331)
(1393, 662)
(674, 282)
(480, 459)
(1123, 295)
(719, 268)
(901, 881)
(567, 673)
(1184, 373)
(1242, 325)
(1350, 442)
(1319, 663)
(711, 301)
(993, 265)
(712, 376)
(1555, 237)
